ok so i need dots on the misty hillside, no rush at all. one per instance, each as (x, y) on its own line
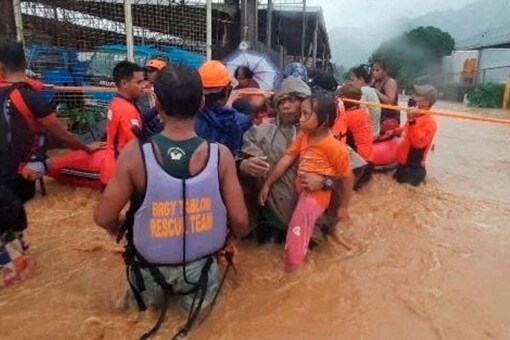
(468, 26)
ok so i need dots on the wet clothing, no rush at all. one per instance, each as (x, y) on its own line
(369, 95)
(410, 175)
(175, 229)
(153, 294)
(22, 113)
(223, 125)
(328, 157)
(123, 114)
(272, 140)
(388, 113)
(359, 132)
(300, 229)
(418, 136)
(206, 223)
(13, 259)
(12, 197)
(20, 127)
(159, 235)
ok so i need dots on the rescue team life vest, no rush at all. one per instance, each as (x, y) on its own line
(11, 162)
(168, 227)
(174, 227)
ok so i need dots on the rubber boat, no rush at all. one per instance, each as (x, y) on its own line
(78, 169)
(385, 154)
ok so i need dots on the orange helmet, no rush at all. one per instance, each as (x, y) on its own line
(214, 75)
(158, 64)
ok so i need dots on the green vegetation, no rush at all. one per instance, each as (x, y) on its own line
(414, 53)
(84, 120)
(486, 95)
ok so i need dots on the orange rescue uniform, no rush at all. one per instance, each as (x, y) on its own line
(417, 140)
(359, 132)
(123, 114)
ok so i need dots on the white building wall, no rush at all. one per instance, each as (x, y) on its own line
(453, 65)
(493, 65)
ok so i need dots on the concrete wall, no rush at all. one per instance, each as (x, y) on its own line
(493, 65)
(453, 65)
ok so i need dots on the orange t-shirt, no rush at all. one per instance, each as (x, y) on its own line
(359, 128)
(122, 115)
(328, 157)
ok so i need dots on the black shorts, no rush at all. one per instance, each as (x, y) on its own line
(410, 175)
(25, 190)
(363, 175)
(13, 194)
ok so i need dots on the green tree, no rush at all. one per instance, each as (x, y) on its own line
(414, 53)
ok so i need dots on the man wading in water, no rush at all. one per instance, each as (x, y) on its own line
(24, 114)
(174, 179)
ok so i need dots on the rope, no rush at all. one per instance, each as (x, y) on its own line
(435, 113)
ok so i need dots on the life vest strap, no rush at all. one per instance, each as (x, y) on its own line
(25, 112)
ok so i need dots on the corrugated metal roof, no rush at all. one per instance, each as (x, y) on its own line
(489, 38)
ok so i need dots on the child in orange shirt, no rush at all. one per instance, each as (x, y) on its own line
(318, 152)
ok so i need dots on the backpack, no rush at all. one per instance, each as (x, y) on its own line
(13, 98)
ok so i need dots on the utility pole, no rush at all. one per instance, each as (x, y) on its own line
(269, 23)
(249, 22)
(209, 30)
(130, 42)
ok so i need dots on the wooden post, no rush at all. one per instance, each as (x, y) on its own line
(506, 97)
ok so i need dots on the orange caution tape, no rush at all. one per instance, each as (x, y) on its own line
(435, 113)
(254, 92)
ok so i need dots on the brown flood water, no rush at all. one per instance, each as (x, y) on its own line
(429, 263)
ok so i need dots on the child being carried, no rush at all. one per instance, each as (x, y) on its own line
(318, 152)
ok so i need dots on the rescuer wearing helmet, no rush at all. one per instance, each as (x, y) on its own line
(217, 122)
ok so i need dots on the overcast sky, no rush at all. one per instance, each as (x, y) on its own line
(340, 13)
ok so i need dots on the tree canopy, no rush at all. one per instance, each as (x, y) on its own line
(414, 53)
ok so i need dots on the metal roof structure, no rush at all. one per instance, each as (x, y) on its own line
(491, 38)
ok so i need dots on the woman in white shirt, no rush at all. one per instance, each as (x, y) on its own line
(360, 77)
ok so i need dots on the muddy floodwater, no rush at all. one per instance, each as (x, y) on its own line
(427, 263)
